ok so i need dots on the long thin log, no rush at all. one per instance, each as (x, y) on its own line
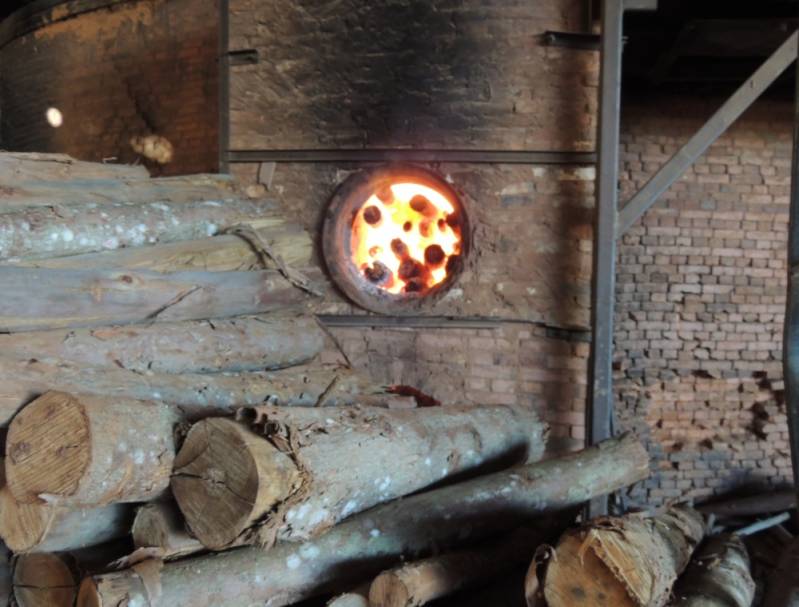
(160, 526)
(752, 505)
(57, 231)
(782, 589)
(718, 576)
(16, 167)
(36, 299)
(41, 527)
(623, 562)
(238, 344)
(195, 395)
(44, 580)
(420, 582)
(374, 540)
(293, 465)
(77, 451)
(224, 253)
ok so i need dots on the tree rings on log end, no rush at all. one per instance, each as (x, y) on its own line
(43, 580)
(388, 590)
(48, 448)
(226, 477)
(23, 526)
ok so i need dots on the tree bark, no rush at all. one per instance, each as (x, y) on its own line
(51, 299)
(626, 561)
(420, 582)
(194, 395)
(44, 580)
(389, 453)
(24, 167)
(374, 540)
(753, 505)
(783, 587)
(58, 231)
(160, 525)
(718, 576)
(225, 253)
(238, 344)
(77, 451)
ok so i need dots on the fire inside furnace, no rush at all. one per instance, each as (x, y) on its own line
(406, 238)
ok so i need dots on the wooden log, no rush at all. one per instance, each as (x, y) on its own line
(16, 167)
(57, 231)
(195, 395)
(420, 582)
(6, 589)
(44, 580)
(357, 597)
(718, 576)
(160, 526)
(782, 589)
(372, 541)
(239, 344)
(751, 505)
(287, 481)
(40, 527)
(625, 561)
(224, 253)
(77, 451)
(35, 299)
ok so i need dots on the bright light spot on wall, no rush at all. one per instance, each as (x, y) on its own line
(54, 117)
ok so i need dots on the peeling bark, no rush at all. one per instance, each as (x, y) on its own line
(160, 525)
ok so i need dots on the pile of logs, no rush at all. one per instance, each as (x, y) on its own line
(170, 439)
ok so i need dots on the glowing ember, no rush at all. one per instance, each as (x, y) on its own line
(406, 238)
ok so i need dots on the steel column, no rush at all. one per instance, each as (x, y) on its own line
(704, 137)
(791, 332)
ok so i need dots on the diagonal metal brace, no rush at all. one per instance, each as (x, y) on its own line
(736, 105)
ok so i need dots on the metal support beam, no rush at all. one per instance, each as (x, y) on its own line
(791, 332)
(712, 130)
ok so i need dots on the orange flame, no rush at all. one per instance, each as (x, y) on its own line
(405, 237)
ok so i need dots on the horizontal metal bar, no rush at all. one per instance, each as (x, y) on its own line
(413, 155)
(573, 40)
(736, 105)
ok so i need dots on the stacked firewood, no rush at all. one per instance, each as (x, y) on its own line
(171, 441)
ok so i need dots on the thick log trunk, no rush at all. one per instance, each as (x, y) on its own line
(77, 451)
(718, 576)
(239, 344)
(294, 466)
(374, 540)
(44, 580)
(23, 167)
(195, 395)
(421, 582)
(40, 527)
(160, 526)
(753, 505)
(783, 585)
(630, 561)
(51, 299)
(223, 253)
(58, 231)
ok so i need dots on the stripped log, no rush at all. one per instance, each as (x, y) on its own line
(625, 561)
(374, 540)
(752, 505)
(195, 395)
(224, 253)
(782, 589)
(77, 451)
(44, 580)
(420, 582)
(159, 526)
(239, 344)
(41, 527)
(20, 167)
(36, 299)
(718, 576)
(58, 231)
(291, 470)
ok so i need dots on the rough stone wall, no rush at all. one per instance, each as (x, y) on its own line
(701, 302)
(137, 68)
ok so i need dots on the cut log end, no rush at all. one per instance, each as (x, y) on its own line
(88, 596)
(48, 447)
(389, 590)
(23, 526)
(43, 580)
(226, 477)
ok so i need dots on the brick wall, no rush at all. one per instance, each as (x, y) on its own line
(701, 297)
(137, 68)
